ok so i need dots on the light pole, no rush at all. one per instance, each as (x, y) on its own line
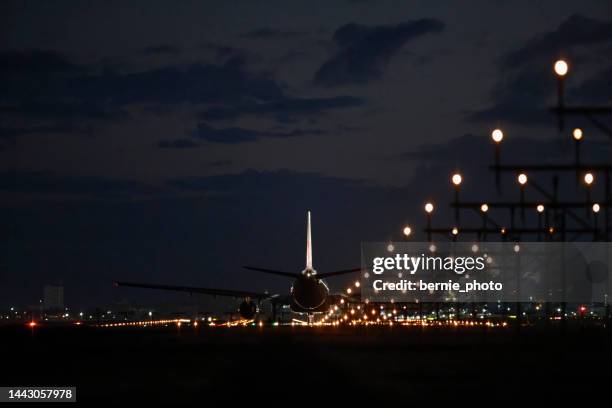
(596, 207)
(522, 180)
(429, 207)
(540, 208)
(456, 179)
(497, 136)
(483, 209)
(577, 135)
(407, 231)
(589, 178)
(561, 68)
(454, 233)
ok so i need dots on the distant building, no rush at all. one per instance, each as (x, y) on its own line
(53, 297)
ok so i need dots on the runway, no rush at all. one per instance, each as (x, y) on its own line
(181, 363)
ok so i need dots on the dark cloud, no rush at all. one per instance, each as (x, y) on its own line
(234, 135)
(35, 63)
(520, 98)
(284, 109)
(49, 183)
(577, 30)
(258, 181)
(597, 89)
(162, 49)
(193, 84)
(68, 110)
(364, 50)
(11, 133)
(527, 82)
(45, 85)
(273, 33)
(221, 163)
(55, 87)
(177, 144)
(224, 54)
(291, 57)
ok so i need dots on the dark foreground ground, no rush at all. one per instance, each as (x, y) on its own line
(407, 364)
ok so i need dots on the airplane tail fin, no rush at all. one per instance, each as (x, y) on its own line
(308, 245)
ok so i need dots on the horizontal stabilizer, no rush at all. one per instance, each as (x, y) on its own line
(273, 272)
(335, 273)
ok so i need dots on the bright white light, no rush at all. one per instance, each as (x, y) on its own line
(596, 208)
(456, 179)
(540, 208)
(407, 231)
(522, 179)
(561, 68)
(429, 207)
(484, 208)
(589, 178)
(497, 135)
(577, 133)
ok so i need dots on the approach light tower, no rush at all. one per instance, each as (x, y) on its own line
(556, 219)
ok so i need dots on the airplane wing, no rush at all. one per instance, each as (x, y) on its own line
(191, 289)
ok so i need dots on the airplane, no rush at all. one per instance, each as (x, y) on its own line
(308, 294)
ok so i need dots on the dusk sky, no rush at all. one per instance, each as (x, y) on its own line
(174, 144)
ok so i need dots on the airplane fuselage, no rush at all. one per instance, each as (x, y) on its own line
(309, 293)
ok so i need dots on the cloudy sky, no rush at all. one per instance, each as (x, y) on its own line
(176, 141)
